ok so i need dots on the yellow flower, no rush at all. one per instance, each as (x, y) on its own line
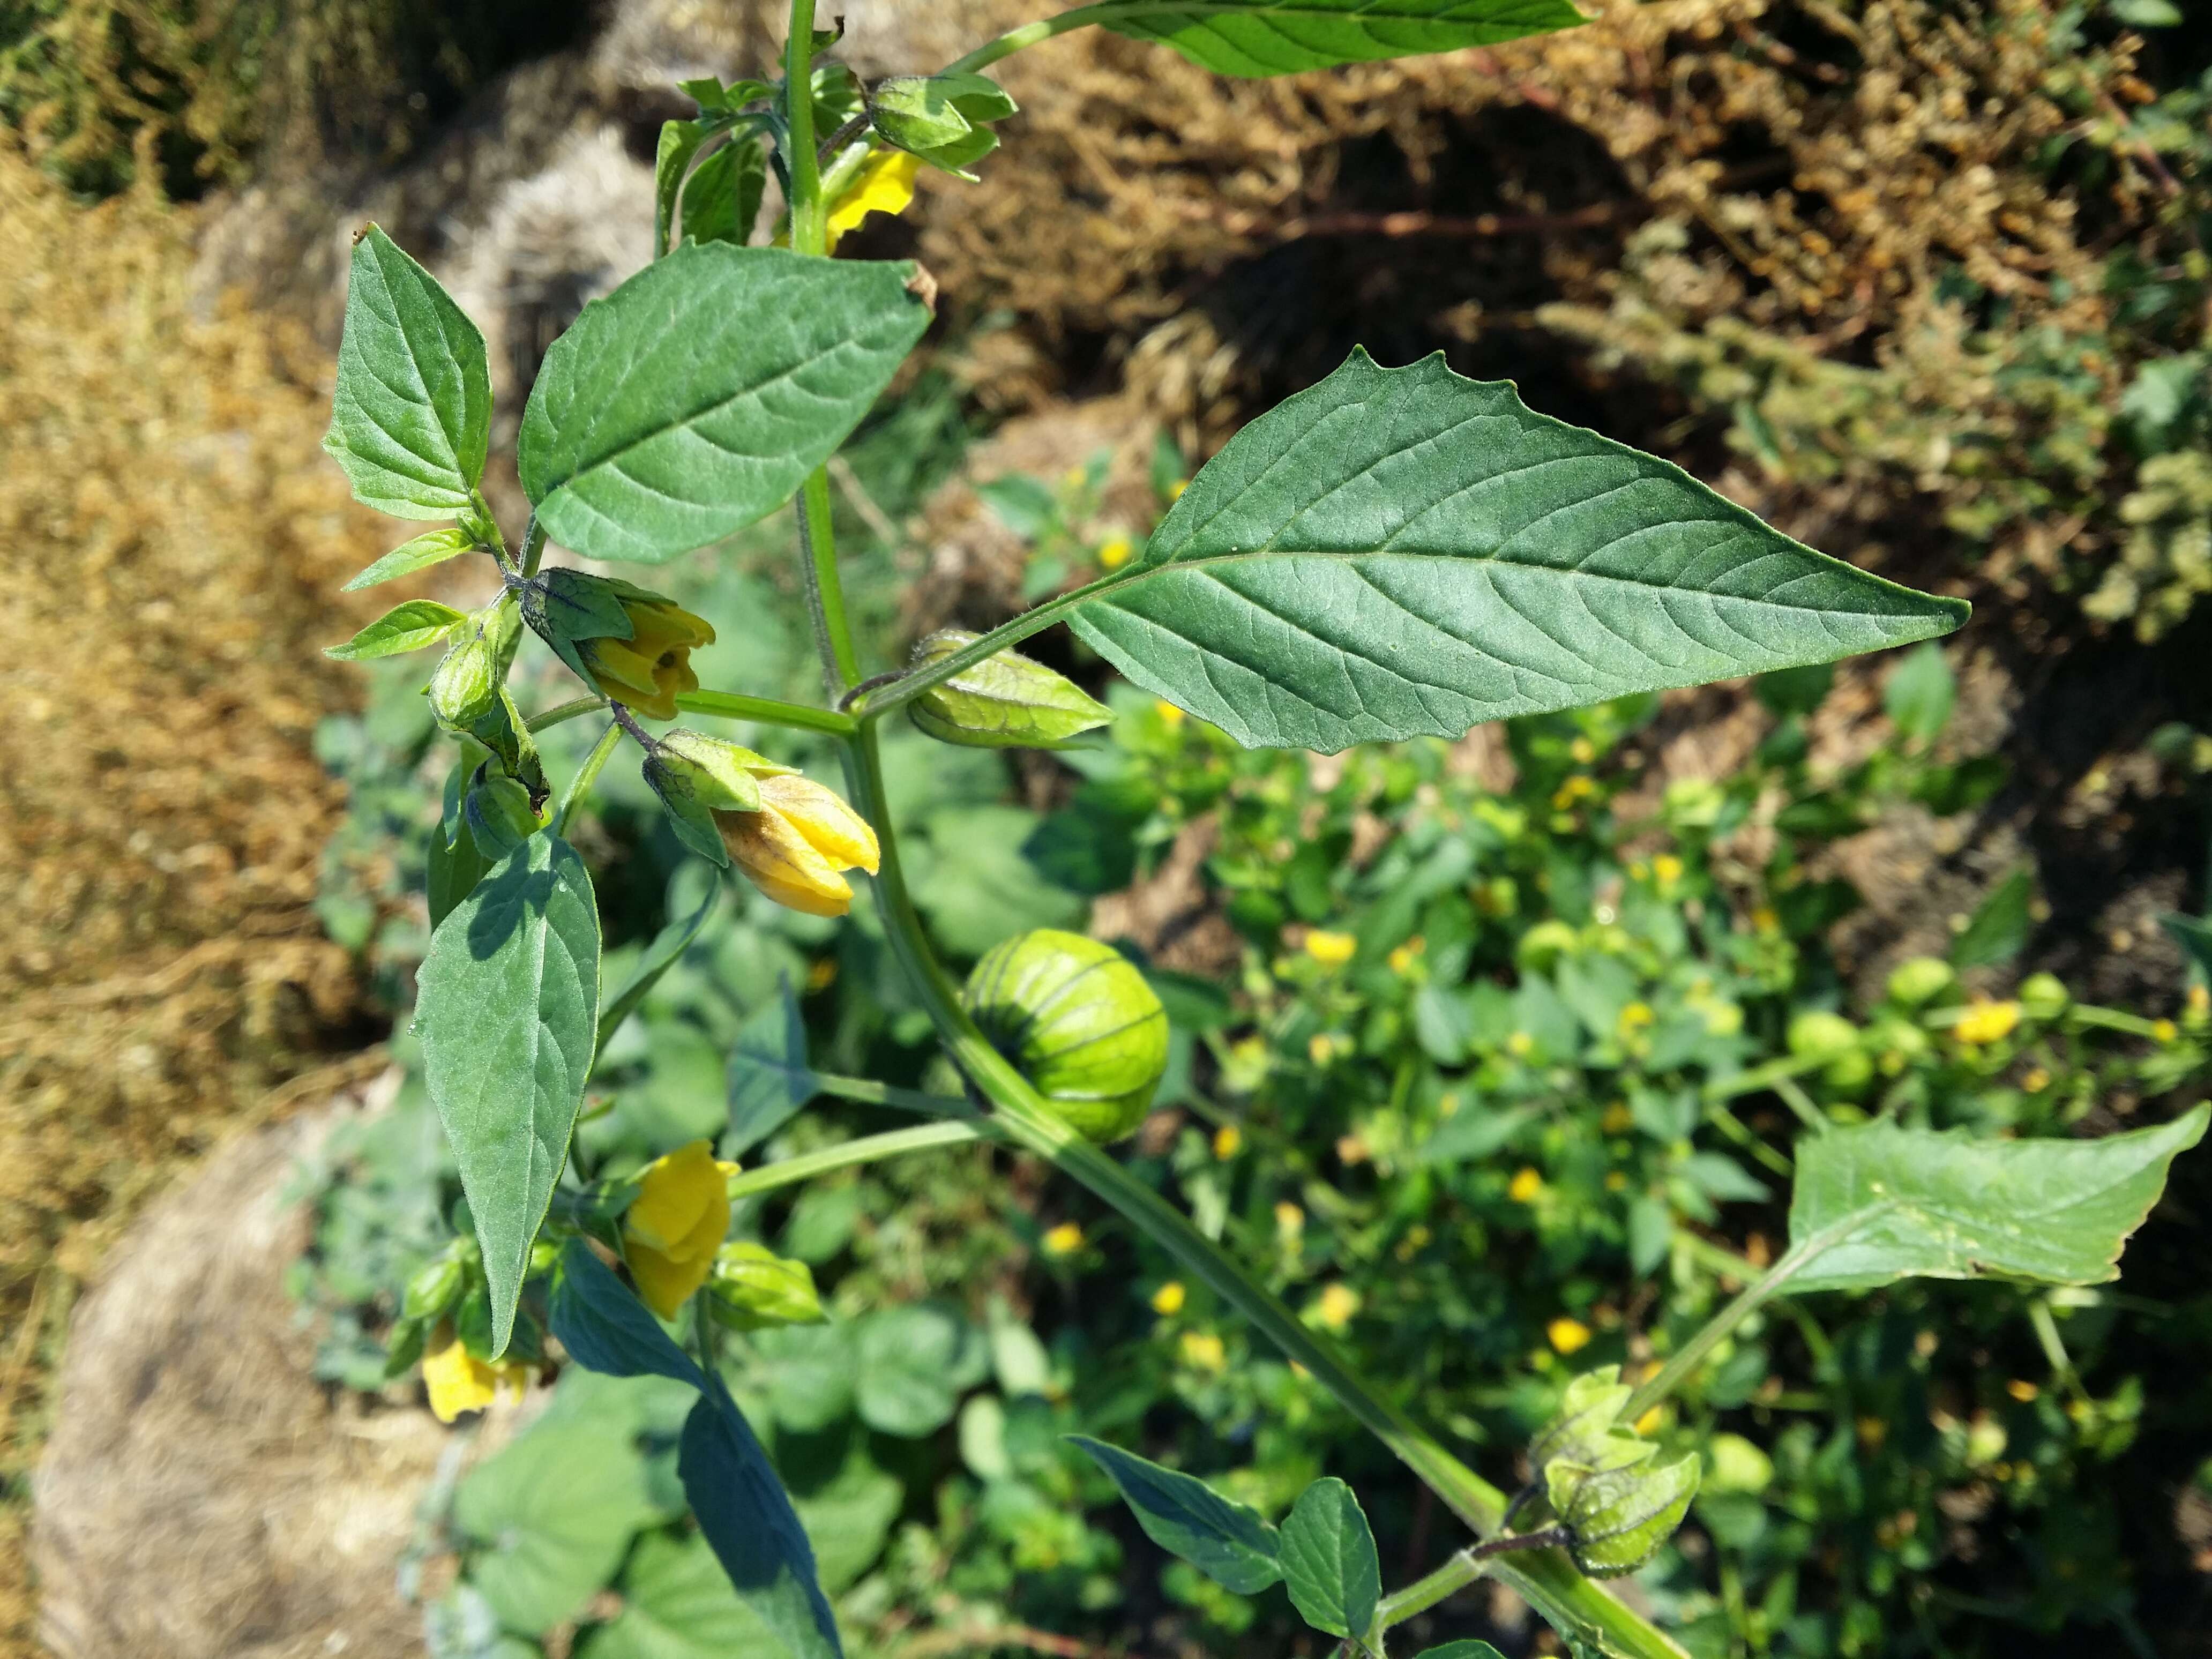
(1401, 959)
(1066, 1239)
(459, 1381)
(1330, 950)
(1170, 716)
(885, 185)
(1986, 1022)
(1667, 868)
(2164, 1031)
(1353, 1149)
(1616, 1182)
(794, 847)
(1584, 750)
(1520, 1045)
(1203, 1351)
(1649, 1421)
(1321, 1049)
(1568, 1335)
(1176, 489)
(1226, 1141)
(1765, 920)
(1338, 1302)
(2036, 1081)
(2200, 999)
(673, 1227)
(1635, 1017)
(1168, 1298)
(2022, 1390)
(1575, 789)
(652, 668)
(1526, 1185)
(1618, 1119)
(1290, 1221)
(1116, 553)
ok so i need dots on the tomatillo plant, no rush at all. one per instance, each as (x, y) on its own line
(1392, 552)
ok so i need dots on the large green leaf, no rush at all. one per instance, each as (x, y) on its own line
(1277, 37)
(677, 1604)
(554, 1513)
(1885, 1203)
(1400, 551)
(914, 1363)
(607, 1329)
(412, 414)
(697, 396)
(1329, 1564)
(1221, 1538)
(507, 1010)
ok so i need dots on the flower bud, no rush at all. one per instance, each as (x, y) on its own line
(1921, 980)
(466, 686)
(943, 118)
(433, 1291)
(794, 847)
(753, 1288)
(1623, 1505)
(1083, 1026)
(2044, 997)
(634, 644)
(675, 1224)
(1588, 1412)
(1815, 1035)
(1005, 702)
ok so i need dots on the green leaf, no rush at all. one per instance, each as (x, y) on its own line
(677, 1604)
(914, 1362)
(747, 1517)
(1224, 1539)
(676, 788)
(412, 414)
(1461, 1651)
(432, 547)
(606, 1329)
(455, 864)
(1919, 694)
(1997, 931)
(408, 627)
(667, 948)
(554, 1513)
(1400, 551)
(2194, 936)
(1329, 1564)
(679, 142)
(1901, 1203)
(1281, 37)
(507, 1010)
(1006, 702)
(770, 1082)
(697, 397)
(721, 199)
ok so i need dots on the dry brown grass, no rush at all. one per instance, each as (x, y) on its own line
(170, 540)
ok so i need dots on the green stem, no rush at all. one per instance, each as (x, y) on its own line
(868, 1149)
(587, 776)
(562, 712)
(534, 547)
(869, 1092)
(806, 222)
(908, 687)
(825, 591)
(1458, 1573)
(766, 711)
(1030, 34)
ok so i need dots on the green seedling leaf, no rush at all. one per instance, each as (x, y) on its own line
(554, 1514)
(677, 1603)
(432, 547)
(1919, 695)
(408, 627)
(1396, 552)
(605, 1328)
(667, 949)
(1329, 1560)
(1997, 931)
(747, 1519)
(1224, 1539)
(1282, 37)
(694, 398)
(770, 1081)
(1898, 1203)
(412, 416)
(507, 1010)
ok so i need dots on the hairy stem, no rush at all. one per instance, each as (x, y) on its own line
(825, 590)
(868, 1149)
(766, 711)
(1030, 34)
(806, 232)
(574, 709)
(909, 686)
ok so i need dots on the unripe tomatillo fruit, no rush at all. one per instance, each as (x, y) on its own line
(1079, 1022)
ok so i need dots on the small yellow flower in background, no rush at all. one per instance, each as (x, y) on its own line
(1116, 553)
(822, 974)
(1575, 789)
(1615, 1182)
(1203, 1351)
(1638, 870)
(1873, 1431)
(1635, 1018)
(1066, 1239)
(1650, 1421)
(1330, 950)
(1448, 1103)
(1176, 489)
(794, 847)
(1618, 1119)
(1290, 1221)
(1168, 1298)
(459, 1381)
(1986, 1022)
(652, 668)
(1336, 1305)
(1568, 1335)
(1765, 921)
(1170, 714)
(673, 1227)
(1584, 750)
(1353, 1149)
(2164, 1030)
(1321, 1049)
(2022, 1390)
(2036, 1081)
(1520, 1045)
(1526, 1185)
(1667, 868)
(885, 185)
(2200, 999)
(1402, 958)
(1227, 1140)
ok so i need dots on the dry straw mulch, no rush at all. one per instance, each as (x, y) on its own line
(170, 543)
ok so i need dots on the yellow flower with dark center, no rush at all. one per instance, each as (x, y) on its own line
(651, 669)
(673, 1227)
(459, 1381)
(795, 847)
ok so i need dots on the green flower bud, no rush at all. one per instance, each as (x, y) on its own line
(409, 1338)
(1920, 980)
(433, 1291)
(943, 118)
(1815, 1035)
(2044, 996)
(752, 1288)
(725, 777)
(466, 686)
(1544, 944)
(1005, 702)
(1079, 1021)
(1588, 1412)
(1622, 1505)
